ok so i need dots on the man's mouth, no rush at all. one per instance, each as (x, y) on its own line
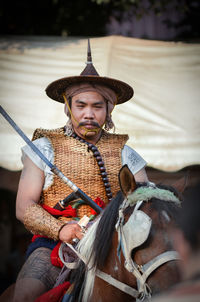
(89, 125)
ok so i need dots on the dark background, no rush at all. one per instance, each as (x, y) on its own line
(169, 20)
(95, 18)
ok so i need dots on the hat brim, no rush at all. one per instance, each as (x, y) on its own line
(56, 89)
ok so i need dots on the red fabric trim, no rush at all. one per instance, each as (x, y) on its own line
(37, 236)
(55, 259)
(55, 294)
(100, 203)
(68, 212)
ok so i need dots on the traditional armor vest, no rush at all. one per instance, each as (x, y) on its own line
(78, 163)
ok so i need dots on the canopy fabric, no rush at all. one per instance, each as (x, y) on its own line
(162, 119)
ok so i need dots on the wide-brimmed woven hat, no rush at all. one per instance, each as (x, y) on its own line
(56, 89)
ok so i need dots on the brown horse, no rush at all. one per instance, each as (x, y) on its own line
(128, 252)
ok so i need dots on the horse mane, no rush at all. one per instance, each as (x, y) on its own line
(101, 231)
(96, 244)
(169, 207)
(106, 226)
(105, 229)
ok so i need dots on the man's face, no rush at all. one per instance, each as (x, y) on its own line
(89, 112)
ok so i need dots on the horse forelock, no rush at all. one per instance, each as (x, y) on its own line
(147, 192)
(96, 243)
(156, 204)
(144, 191)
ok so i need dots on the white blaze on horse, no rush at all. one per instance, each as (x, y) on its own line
(128, 252)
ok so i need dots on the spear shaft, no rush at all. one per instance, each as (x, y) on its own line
(78, 192)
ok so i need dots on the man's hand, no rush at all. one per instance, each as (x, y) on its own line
(71, 231)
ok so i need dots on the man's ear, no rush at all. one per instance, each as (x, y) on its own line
(126, 180)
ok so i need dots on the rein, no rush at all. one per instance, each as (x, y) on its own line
(141, 272)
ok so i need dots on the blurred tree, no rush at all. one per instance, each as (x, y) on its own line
(188, 27)
(52, 17)
(89, 17)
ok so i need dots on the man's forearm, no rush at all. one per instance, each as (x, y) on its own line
(38, 221)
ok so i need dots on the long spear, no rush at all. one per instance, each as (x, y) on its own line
(77, 192)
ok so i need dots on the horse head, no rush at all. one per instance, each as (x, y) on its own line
(129, 251)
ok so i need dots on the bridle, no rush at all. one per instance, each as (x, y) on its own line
(141, 272)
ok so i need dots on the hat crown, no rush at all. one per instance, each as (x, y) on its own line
(56, 89)
(89, 70)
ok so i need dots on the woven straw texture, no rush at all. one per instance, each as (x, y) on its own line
(40, 222)
(123, 91)
(79, 165)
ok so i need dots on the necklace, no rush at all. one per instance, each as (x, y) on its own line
(100, 163)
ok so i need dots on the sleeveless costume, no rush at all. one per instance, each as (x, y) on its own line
(79, 164)
(71, 157)
(74, 158)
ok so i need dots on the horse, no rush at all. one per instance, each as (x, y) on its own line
(127, 254)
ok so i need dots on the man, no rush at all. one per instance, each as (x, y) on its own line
(187, 243)
(90, 156)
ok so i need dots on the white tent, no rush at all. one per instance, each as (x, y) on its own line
(162, 119)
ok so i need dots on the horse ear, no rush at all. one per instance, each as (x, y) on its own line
(181, 184)
(126, 180)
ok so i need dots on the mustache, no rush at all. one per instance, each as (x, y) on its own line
(96, 125)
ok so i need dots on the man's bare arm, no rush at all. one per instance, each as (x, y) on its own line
(30, 187)
(29, 191)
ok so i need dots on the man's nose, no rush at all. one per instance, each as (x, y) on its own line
(89, 113)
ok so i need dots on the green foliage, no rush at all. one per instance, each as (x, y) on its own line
(88, 17)
(53, 17)
(144, 6)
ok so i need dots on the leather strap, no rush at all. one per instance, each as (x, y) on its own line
(122, 286)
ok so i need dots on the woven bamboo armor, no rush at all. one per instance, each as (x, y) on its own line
(79, 165)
